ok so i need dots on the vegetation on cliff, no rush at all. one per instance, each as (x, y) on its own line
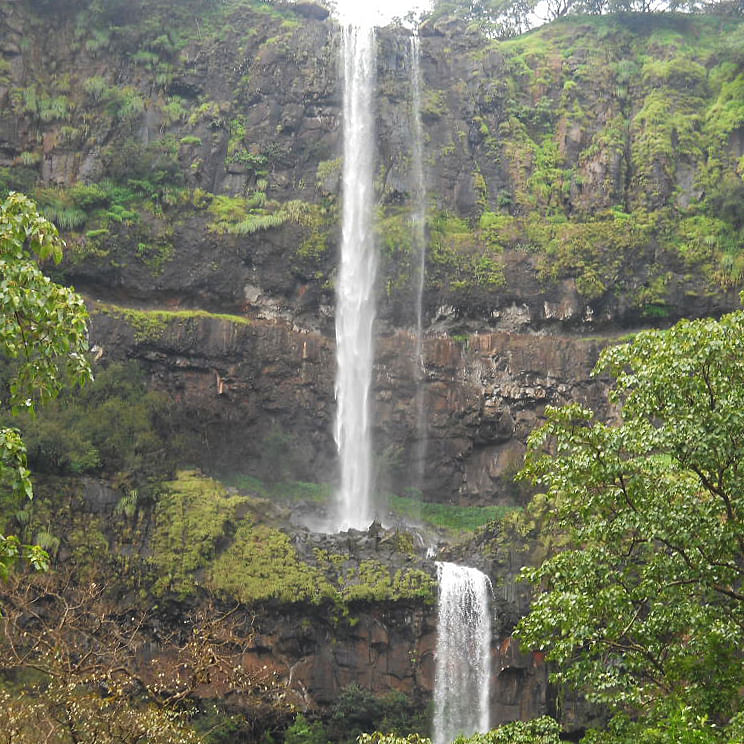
(200, 530)
(188, 153)
(605, 151)
(597, 189)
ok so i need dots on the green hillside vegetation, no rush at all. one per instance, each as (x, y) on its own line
(667, 108)
(604, 149)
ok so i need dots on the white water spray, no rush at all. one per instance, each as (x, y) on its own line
(355, 301)
(418, 234)
(463, 657)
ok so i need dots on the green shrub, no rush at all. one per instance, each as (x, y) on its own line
(20, 178)
(111, 426)
(95, 87)
(459, 258)
(303, 731)
(357, 710)
(538, 731)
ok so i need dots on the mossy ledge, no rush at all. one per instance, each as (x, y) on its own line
(206, 536)
(151, 325)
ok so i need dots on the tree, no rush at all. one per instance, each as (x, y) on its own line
(90, 667)
(496, 18)
(506, 18)
(43, 331)
(643, 609)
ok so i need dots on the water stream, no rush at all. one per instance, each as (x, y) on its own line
(463, 655)
(461, 695)
(355, 299)
(418, 234)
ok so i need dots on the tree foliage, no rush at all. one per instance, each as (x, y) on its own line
(43, 328)
(542, 730)
(114, 425)
(506, 18)
(644, 606)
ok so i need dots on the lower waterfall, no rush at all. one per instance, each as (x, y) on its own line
(463, 655)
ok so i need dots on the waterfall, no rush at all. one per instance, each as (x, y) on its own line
(463, 656)
(355, 301)
(418, 234)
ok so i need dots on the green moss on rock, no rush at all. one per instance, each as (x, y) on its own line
(151, 325)
(205, 536)
(261, 564)
(192, 515)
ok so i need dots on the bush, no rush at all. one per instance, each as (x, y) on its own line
(539, 731)
(303, 731)
(113, 425)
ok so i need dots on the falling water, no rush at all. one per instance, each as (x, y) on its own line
(463, 669)
(418, 230)
(355, 305)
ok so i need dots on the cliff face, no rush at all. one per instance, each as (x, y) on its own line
(583, 180)
(581, 176)
(233, 383)
(329, 615)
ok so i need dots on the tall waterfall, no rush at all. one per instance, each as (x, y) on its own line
(418, 233)
(355, 301)
(463, 657)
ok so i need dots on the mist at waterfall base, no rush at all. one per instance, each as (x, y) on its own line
(463, 653)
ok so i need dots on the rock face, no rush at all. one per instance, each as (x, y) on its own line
(482, 397)
(234, 382)
(559, 198)
(388, 650)
(320, 651)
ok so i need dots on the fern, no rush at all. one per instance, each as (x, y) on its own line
(127, 505)
(256, 222)
(95, 87)
(46, 540)
(66, 217)
(54, 108)
(29, 159)
(30, 100)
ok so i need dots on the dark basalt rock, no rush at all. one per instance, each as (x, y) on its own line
(311, 10)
